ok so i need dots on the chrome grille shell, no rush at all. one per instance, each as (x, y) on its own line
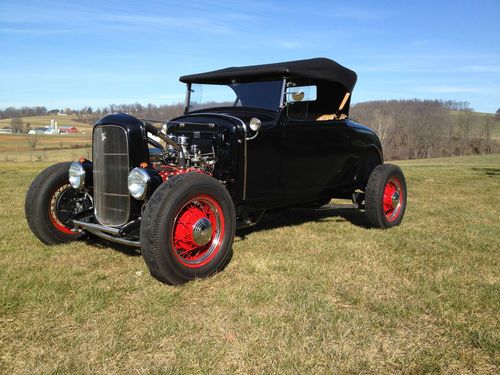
(111, 167)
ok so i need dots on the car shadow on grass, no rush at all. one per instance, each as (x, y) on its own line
(298, 216)
(101, 244)
(271, 220)
(490, 172)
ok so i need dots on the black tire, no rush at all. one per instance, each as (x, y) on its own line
(385, 183)
(161, 222)
(46, 192)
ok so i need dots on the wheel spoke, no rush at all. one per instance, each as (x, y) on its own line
(193, 245)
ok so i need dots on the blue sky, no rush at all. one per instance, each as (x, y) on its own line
(79, 53)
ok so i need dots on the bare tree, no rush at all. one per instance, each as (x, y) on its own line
(465, 125)
(384, 126)
(497, 115)
(16, 124)
(32, 142)
(489, 124)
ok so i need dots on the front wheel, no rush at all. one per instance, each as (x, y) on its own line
(385, 196)
(187, 228)
(51, 203)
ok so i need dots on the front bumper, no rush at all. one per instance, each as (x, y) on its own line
(125, 235)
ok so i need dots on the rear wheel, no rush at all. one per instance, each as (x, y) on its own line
(51, 203)
(385, 197)
(187, 228)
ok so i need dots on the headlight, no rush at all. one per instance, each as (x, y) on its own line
(76, 175)
(138, 180)
(255, 124)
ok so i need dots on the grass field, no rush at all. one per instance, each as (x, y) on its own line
(305, 292)
(51, 148)
(42, 121)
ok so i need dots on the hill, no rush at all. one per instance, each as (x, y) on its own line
(408, 129)
(478, 121)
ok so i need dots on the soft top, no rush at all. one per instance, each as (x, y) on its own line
(319, 68)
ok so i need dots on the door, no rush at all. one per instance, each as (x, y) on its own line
(315, 155)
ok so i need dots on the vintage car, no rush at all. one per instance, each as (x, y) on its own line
(252, 139)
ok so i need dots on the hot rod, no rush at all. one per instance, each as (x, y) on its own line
(252, 139)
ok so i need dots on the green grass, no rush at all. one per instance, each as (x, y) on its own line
(304, 293)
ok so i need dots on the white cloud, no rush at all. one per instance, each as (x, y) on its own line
(291, 45)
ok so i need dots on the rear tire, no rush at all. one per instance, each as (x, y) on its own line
(385, 197)
(50, 203)
(187, 228)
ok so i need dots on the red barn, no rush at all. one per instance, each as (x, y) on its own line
(68, 129)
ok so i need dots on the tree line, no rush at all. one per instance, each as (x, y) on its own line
(151, 111)
(408, 129)
(414, 129)
(12, 112)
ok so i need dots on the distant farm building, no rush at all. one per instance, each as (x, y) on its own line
(58, 112)
(54, 129)
(46, 130)
(68, 129)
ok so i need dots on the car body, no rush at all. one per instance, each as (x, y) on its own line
(252, 139)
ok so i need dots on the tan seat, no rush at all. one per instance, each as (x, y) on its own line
(326, 117)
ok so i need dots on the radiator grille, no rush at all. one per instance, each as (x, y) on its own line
(111, 168)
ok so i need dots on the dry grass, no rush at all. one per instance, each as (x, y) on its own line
(305, 292)
(49, 148)
(41, 121)
(16, 147)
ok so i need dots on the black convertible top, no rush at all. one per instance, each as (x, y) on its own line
(319, 68)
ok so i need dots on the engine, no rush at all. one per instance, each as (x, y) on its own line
(170, 161)
(189, 155)
(180, 154)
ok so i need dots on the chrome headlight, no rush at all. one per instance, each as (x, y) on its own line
(138, 181)
(255, 124)
(76, 175)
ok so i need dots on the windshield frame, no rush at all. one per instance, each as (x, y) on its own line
(187, 107)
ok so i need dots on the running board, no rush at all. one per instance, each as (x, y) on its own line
(327, 207)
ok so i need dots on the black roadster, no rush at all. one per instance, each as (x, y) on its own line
(252, 139)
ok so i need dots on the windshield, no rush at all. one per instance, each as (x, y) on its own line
(266, 95)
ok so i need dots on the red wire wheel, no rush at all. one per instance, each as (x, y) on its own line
(385, 196)
(393, 196)
(187, 228)
(51, 204)
(53, 208)
(197, 231)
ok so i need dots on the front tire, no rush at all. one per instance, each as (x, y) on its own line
(51, 203)
(385, 197)
(187, 228)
